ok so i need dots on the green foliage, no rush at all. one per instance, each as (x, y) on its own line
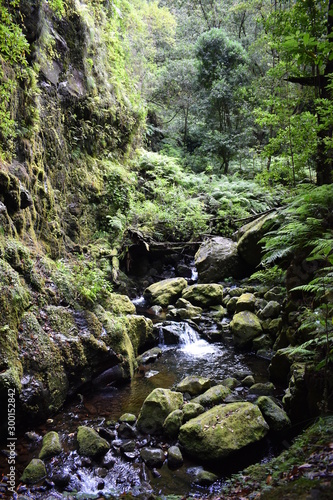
(13, 50)
(303, 222)
(81, 281)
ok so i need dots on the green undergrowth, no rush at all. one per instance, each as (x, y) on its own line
(163, 200)
(302, 467)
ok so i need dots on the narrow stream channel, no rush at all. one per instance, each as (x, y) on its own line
(192, 355)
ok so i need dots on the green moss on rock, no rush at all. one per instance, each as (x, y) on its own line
(204, 295)
(34, 472)
(245, 326)
(51, 445)
(222, 430)
(165, 292)
(90, 443)
(156, 407)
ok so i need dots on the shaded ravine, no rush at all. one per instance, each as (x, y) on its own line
(101, 408)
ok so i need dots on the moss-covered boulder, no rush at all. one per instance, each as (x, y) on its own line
(173, 423)
(34, 472)
(204, 295)
(194, 385)
(245, 326)
(156, 407)
(214, 396)
(222, 430)
(271, 310)
(275, 416)
(186, 310)
(140, 332)
(51, 445)
(246, 302)
(192, 410)
(217, 259)
(90, 442)
(249, 236)
(262, 389)
(165, 292)
(119, 304)
(128, 418)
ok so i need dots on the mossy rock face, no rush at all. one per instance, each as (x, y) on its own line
(51, 445)
(192, 410)
(140, 332)
(165, 292)
(194, 385)
(246, 302)
(214, 396)
(249, 246)
(119, 304)
(204, 295)
(173, 423)
(34, 472)
(118, 339)
(218, 259)
(156, 407)
(245, 326)
(90, 443)
(224, 429)
(275, 416)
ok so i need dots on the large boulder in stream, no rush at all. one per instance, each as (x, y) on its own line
(245, 326)
(204, 295)
(218, 259)
(224, 429)
(249, 236)
(156, 407)
(165, 292)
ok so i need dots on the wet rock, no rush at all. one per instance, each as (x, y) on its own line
(153, 457)
(262, 389)
(140, 332)
(109, 460)
(262, 342)
(126, 431)
(245, 326)
(90, 443)
(155, 310)
(172, 331)
(128, 418)
(248, 381)
(156, 407)
(25, 199)
(128, 446)
(165, 292)
(231, 304)
(149, 356)
(175, 457)
(33, 436)
(172, 424)
(214, 396)
(246, 302)
(230, 382)
(203, 477)
(51, 445)
(185, 310)
(194, 385)
(61, 478)
(272, 326)
(271, 310)
(275, 416)
(218, 259)
(192, 410)
(204, 295)
(222, 430)
(279, 367)
(34, 472)
(107, 434)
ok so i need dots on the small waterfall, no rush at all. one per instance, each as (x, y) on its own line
(187, 334)
(183, 334)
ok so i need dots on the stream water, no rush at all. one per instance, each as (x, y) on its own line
(192, 355)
